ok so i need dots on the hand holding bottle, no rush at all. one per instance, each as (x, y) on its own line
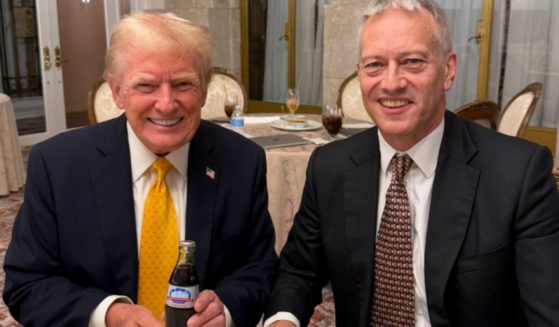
(208, 308)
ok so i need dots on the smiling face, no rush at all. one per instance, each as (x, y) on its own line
(404, 74)
(161, 94)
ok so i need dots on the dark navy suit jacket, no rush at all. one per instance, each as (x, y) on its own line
(74, 239)
(492, 248)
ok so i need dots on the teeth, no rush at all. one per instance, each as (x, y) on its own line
(394, 103)
(165, 122)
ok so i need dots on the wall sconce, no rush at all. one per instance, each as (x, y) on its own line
(86, 1)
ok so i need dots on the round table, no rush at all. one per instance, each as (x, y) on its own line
(286, 175)
(12, 171)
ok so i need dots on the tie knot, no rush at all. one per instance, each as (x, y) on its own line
(400, 166)
(162, 166)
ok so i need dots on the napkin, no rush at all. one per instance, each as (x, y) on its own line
(260, 119)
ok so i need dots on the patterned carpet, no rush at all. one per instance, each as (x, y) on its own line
(9, 206)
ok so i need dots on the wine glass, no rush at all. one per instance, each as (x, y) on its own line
(292, 100)
(229, 103)
(332, 119)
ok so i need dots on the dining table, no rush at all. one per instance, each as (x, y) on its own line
(12, 170)
(287, 164)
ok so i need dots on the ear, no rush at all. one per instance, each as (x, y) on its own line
(116, 90)
(450, 70)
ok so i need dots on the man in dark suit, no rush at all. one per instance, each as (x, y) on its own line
(74, 256)
(482, 208)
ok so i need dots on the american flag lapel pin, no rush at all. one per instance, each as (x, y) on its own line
(210, 173)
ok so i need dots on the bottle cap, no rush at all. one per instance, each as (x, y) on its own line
(188, 243)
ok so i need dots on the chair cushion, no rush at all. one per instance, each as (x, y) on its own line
(221, 86)
(514, 114)
(352, 101)
(104, 105)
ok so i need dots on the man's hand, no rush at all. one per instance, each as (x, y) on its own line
(130, 315)
(209, 311)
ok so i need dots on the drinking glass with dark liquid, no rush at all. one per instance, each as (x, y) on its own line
(332, 119)
(183, 287)
(229, 103)
(229, 109)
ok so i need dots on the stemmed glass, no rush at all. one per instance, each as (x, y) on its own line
(229, 103)
(332, 119)
(292, 100)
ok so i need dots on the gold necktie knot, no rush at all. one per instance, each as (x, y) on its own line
(162, 166)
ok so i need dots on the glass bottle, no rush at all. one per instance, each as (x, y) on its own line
(183, 287)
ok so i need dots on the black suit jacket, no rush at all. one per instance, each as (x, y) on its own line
(74, 239)
(492, 248)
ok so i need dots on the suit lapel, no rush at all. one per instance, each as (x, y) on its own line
(454, 190)
(360, 208)
(203, 178)
(112, 178)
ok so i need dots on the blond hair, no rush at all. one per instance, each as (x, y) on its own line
(150, 31)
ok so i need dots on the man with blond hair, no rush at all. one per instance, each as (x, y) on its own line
(90, 246)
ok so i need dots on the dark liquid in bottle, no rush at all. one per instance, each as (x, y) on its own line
(183, 275)
(333, 124)
(229, 110)
(177, 317)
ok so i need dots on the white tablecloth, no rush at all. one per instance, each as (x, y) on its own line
(12, 171)
(286, 175)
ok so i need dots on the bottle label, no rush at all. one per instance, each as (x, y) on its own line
(237, 121)
(181, 297)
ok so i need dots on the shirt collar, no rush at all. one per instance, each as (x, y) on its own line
(141, 158)
(424, 153)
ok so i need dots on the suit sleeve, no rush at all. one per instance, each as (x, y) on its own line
(537, 242)
(298, 287)
(246, 289)
(37, 290)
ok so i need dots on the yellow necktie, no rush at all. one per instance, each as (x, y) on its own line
(158, 243)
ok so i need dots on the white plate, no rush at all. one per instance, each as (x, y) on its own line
(284, 125)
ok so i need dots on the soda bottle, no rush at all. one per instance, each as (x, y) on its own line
(183, 287)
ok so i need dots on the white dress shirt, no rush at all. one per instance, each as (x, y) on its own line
(419, 186)
(141, 159)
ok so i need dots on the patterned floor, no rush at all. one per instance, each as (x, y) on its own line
(9, 205)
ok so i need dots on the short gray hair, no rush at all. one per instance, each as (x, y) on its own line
(443, 30)
(153, 31)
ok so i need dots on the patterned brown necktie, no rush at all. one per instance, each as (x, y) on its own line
(394, 296)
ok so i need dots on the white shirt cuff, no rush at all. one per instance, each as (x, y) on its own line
(282, 315)
(97, 318)
(228, 319)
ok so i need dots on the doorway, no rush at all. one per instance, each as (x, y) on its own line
(52, 54)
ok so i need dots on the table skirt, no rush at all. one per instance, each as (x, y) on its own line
(12, 171)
